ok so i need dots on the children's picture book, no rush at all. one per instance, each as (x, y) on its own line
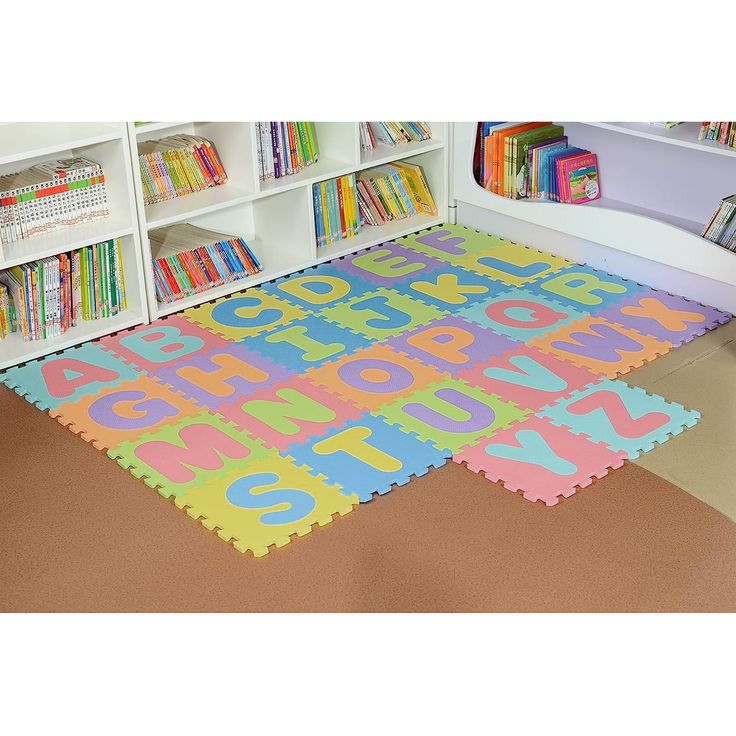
(580, 179)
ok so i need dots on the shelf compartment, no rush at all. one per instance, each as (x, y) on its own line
(384, 154)
(21, 141)
(234, 145)
(281, 243)
(684, 135)
(14, 350)
(338, 155)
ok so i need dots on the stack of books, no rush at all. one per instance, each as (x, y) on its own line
(720, 132)
(178, 165)
(535, 161)
(336, 212)
(392, 133)
(7, 312)
(189, 260)
(722, 227)
(50, 196)
(394, 192)
(285, 148)
(52, 295)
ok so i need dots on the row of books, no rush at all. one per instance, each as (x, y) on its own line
(49, 196)
(720, 132)
(393, 192)
(722, 227)
(535, 161)
(190, 260)
(178, 165)
(7, 312)
(336, 212)
(392, 133)
(53, 294)
(285, 148)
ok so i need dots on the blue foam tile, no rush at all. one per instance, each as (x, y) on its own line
(306, 343)
(367, 456)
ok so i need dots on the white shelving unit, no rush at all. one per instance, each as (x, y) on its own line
(276, 217)
(659, 187)
(24, 144)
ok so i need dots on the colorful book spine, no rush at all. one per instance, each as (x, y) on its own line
(52, 295)
(285, 148)
(337, 214)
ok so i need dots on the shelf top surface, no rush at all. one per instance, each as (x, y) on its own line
(19, 141)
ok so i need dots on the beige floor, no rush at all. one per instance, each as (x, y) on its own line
(701, 375)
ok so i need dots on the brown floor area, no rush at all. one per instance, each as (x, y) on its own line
(77, 533)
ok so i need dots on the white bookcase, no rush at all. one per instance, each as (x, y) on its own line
(659, 189)
(24, 144)
(276, 217)
(659, 186)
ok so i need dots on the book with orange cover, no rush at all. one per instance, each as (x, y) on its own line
(503, 160)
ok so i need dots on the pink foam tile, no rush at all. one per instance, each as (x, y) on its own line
(540, 460)
(528, 377)
(289, 412)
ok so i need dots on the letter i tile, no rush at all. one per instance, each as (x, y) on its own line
(540, 460)
(368, 456)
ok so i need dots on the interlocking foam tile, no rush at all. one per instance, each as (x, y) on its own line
(244, 315)
(381, 313)
(182, 456)
(374, 376)
(120, 413)
(451, 413)
(514, 264)
(521, 315)
(585, 288)
(664, 316)
(602, 346)
(450, 288)
(165, 342)
(390, 264)
(368, 456)
(451, 243)
(274, 409)
(289, 412)
(265, 503)
(541, 460)
(451, 344)
(528, 377)
(66, 377)
(211, 379)
(306, 343)
(318, 287)
(626, 418)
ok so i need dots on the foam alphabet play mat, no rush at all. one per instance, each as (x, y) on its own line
(282, 406)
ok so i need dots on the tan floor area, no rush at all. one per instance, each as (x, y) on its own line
(701, 375)
(78, 533)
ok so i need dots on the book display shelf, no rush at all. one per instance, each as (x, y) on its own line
(276, 217)
(659, 190)
(25, 144)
